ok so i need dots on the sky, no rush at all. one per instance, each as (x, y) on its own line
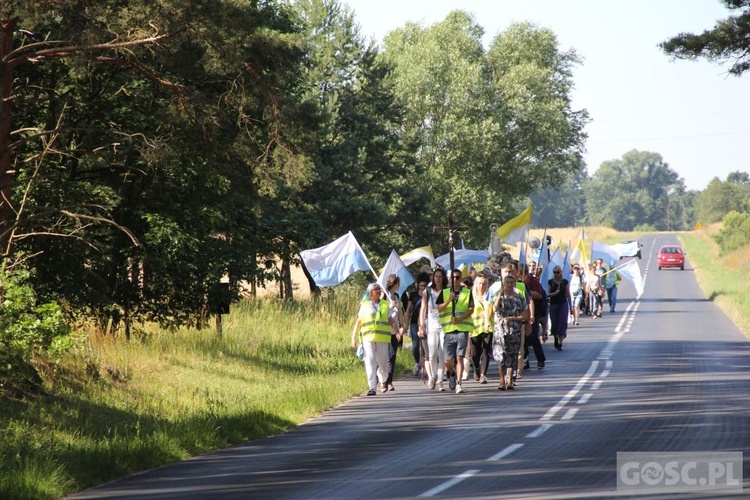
(693, 113)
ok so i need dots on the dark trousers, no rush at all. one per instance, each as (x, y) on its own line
(395, 344)
(536, 344)
(481, 345)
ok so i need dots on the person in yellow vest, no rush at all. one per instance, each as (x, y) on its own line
(456, 327)
(481, 335)
(374, 323)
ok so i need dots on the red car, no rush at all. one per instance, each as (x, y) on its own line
(671, 256)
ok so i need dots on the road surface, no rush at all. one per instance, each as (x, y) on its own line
(667, 372)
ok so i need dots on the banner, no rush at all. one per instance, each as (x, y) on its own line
(395, 265)
(419, 253)
(463, 257)
(631, 272)
(331, 264)
(609, 255)
(514, 231)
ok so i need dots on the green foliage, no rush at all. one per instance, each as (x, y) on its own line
(721, 197)
(496, 121)
(727, 42)
(638, 189)
(735, 232)
(27, 326)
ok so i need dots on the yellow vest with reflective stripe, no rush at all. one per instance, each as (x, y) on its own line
(462, 306)
(482, 323)
(375, 325)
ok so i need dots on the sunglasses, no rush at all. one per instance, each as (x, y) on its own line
(557, 272)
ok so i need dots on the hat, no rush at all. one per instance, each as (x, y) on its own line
(373, 285)
(425, 269)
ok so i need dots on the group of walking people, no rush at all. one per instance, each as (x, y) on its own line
(459, 322)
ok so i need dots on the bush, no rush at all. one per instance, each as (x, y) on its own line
(25, 326)
(735, 232)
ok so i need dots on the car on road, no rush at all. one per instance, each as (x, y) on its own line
(670, 256)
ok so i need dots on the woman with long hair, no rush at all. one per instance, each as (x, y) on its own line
(481, 336)
(430, 328)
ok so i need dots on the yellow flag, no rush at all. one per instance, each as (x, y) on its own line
(514, 231)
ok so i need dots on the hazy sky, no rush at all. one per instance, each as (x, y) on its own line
(692, 113)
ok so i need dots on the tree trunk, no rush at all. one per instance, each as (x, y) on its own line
(7, 175)
(286, 278)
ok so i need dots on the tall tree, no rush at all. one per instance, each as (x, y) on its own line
(190, 146)
(638, 190)
(363, 167)
(727, 42)
(721, 197)
(492, 126)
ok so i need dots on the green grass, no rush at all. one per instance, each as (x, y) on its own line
(111, 407)
(724, 280)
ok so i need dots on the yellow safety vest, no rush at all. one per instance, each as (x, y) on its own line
(462, 306)
(375, 325)
(482, 323)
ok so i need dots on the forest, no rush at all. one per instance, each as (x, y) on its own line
(150, 151)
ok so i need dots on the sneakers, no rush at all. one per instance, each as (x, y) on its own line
(371, 392)
(440, 387)
(384, 389)
(390, 387)
(540, 365)
(482, 379)
(452, 380)
(415, 371)
(459, 388)
(431, 383)
(465, 375)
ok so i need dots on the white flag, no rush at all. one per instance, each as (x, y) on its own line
(331, 264)
(632, 273)
(396, 266)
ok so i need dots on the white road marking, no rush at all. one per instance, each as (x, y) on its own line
(505, 452)
(571, 394)
(539, 431)
(570, 414)
(585, 398)
(450, 483)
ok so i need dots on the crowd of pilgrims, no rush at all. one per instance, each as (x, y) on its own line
(458, 323)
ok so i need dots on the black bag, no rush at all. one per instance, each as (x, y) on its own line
(541, 306)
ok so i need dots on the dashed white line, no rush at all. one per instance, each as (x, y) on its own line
(571, 394)
(596, 385)
(539, 431)
(570, 414)
(450, 483)
(585, 398)
(505, 452)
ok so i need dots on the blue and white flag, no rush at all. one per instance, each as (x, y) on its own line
(566, 263)
(396, 266)
(463, 257)
(632, 272)
(331, 264)
(609, 255)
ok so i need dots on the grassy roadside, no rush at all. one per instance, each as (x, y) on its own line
(112, 408)
(724, 279)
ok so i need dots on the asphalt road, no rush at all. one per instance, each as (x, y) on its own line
(667, 372)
